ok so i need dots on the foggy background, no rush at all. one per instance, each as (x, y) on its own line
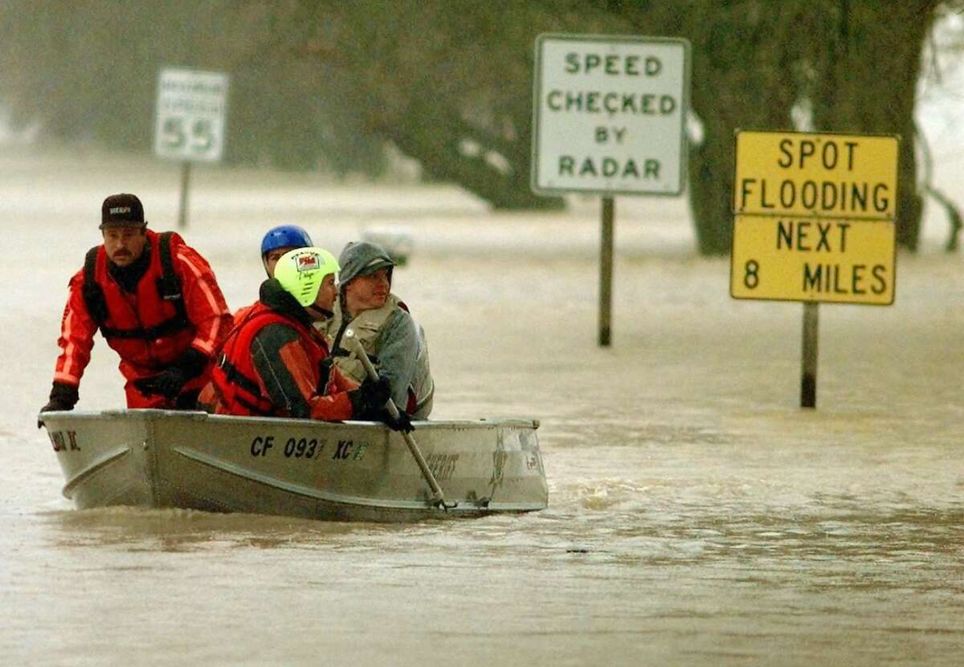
(441, 92)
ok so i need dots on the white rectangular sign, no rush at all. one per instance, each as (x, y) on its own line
(190, 119)
(609, 114)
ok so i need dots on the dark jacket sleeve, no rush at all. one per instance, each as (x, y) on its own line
(289, 378)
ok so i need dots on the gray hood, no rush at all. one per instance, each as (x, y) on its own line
(360, 258)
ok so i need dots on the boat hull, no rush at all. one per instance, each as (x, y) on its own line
(353, 471)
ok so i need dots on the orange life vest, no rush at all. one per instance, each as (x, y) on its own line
(235, 379)
(149, 328)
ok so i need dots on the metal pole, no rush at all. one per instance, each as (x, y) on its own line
(185, 183)
(606, 273)
(808, 375)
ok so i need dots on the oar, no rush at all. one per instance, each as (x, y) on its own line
(438, 499)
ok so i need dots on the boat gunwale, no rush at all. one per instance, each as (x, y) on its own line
(159, 415)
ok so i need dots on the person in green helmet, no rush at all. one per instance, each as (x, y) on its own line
(272, 363)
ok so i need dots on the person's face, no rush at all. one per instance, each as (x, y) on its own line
(368, 292)
(326, 294)
(271, 258)
(124, 245)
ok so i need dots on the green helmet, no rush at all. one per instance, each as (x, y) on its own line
(301, 272)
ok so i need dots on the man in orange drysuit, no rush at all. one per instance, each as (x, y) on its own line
(157, 304)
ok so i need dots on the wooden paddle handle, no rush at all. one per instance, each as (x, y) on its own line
(438, 498)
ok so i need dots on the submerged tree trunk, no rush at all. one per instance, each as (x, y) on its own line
(844, 65)
(866, 60)
(743, 78)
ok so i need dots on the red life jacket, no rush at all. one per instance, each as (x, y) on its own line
(149, 328)
(235, 379)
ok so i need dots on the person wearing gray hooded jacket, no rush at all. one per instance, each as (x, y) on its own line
(392, 339)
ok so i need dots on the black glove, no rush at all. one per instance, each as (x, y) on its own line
(167, 383)
(368, 401)
(62, 397)
(171, 380)
(402, 423)
(192, 363)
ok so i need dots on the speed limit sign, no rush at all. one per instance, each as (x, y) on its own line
(190, 115)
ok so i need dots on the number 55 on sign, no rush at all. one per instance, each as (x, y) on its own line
(190, 115)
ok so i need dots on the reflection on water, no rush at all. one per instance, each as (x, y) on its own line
(179, 531)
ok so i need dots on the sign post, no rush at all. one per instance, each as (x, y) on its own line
(808, 355)
(190, 121)
(606, 272)
(608, 119)
(814, 222)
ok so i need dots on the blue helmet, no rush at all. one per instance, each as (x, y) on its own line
(284, 236)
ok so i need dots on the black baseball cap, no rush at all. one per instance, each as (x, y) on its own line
(123, 210)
